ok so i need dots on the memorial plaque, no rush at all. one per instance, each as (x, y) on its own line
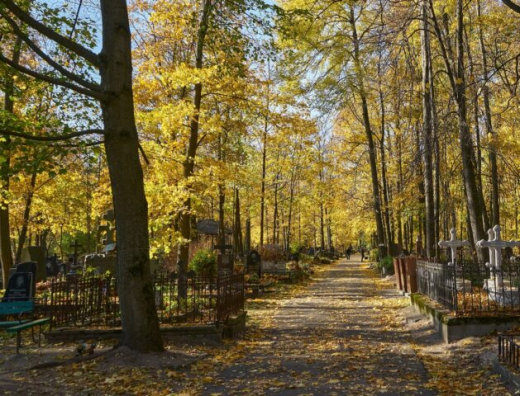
(225, 262)
(19, 287)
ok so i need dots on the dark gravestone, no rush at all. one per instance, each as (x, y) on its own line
(37, 254)
(225, 262)
(101, 263)
(20, 287)
(51, 266)
(31, 267)
(253, 262)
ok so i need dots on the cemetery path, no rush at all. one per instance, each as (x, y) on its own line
(343, 336)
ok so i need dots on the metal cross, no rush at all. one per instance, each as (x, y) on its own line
(453, 244)
(495, 244)
(76, 246)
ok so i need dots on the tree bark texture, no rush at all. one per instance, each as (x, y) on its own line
(138, 312)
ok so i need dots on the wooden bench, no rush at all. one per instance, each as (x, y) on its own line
(28, 325)
(18, 309)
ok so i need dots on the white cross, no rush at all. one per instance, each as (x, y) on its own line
(453, 244)
(495, 244)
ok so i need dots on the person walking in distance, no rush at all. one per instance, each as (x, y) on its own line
(349, 252)
(362, 253)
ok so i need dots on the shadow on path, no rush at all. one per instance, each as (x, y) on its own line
(341, 336)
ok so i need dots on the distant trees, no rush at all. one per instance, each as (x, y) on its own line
(400, 74)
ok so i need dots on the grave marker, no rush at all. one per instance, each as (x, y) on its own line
(495, 284)
(37, 254)
(20, 287)
(495, 244)
(453, 244)
(76, 245)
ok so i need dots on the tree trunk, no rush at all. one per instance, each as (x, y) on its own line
(437, 167)
(458, 83)
(427, 133)
(466, 143)
(495, 195)
(388, 228)
(275, 212)
(290, 215)
(368, 130)
(6, 256)
(322, 226)
(136, 297)
(239, 246)
(26, 215)
(184, 222)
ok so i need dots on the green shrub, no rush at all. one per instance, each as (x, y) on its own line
(374, 255)
(305, 259)
(295, 247)
(204, 263)
(253, 278)
(387, 263)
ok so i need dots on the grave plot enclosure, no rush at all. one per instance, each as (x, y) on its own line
(93, 301)
(468, 287)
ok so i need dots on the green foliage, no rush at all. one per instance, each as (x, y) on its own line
(387, 263)
(253, 278)
(374, 255)
(204, 263)
(295, 247)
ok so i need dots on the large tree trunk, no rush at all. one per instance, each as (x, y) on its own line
(466, 143)
(368, 130)
(6, 256)
(457, 79)
(136, 297)
(427, 132)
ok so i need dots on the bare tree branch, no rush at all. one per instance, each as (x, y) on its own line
(53, 80)
(513, 6)
(52, 138)
(74, 77)
(51, 33)
(141, 149)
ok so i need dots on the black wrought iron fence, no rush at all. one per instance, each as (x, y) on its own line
(470, 287)
(93, 300)
(80, 300)
(509, 349)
